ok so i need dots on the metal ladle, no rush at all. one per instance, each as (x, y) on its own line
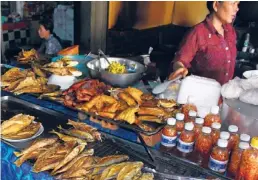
(103, 54)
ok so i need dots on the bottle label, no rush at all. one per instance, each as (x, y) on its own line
(185, 147)
(168, 141)
(218, 166)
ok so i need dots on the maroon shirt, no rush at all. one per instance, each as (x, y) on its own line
(208, 53)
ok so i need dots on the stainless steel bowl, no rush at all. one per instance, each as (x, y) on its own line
(97, 69)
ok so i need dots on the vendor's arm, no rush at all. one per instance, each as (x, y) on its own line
(185, 55)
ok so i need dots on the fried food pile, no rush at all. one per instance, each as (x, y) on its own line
(63, 67)
(27, 56)
(25, 81)
(20, 126)
(83, 91)
(69, 158)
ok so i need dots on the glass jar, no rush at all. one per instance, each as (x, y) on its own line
(234, 137)
(245, 138)
(236, 158)
(215, 132)
(186, 140)
(191, 117)
(198, 126)
(189, 106)
(180, 122)
(212, 117)
(219, 157)
(203, 143)
(248, 169)
(169, 134)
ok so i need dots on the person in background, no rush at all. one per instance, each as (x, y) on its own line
(209, 49)
(51, 44)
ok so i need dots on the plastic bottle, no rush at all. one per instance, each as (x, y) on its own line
(180, 122)
(198, 127)
(186, 140)
(248, 169)
(224, 135)
(234, 137)
(191, 116)
(236, 158)
(189, 106)
(219, 157)
(169, 133)
(245, 138)
(203, 143)
(215, 132)
(212, 117)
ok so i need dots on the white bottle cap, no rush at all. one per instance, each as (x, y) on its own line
(189, 126)
(199, 120)
(190, 99)
(180, 116)
(216, 125)
(171, 121)
(215, 109)
(206, 129)
(192, 113)
(243, 145)
(222, 143)
(224, 135)
(232, 128)
(245, 137)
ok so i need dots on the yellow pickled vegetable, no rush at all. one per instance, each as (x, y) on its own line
(116, 68)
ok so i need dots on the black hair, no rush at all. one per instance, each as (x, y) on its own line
(209, 5)
(48, 24)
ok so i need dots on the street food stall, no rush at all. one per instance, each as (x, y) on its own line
(99, 117)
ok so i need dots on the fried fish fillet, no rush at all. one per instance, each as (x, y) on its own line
(159, 112)
(87, 106)
(27, 132)
(150, 103)
(135, 93)
(27, 82)
(12, 75)
(128, 115)
(12, 85)
(62, 71)
(147, 97)
(76, 151)
(111, 108)
(16, 124)
(127, 98)
(166, 103)
(150, 119)
(109, 115)
(108, 99)
(122, 105)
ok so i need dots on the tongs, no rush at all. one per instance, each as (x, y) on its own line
(103, 54)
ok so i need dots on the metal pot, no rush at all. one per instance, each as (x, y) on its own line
(97, 69)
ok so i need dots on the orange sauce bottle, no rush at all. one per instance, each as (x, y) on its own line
(203, 143)
(215, 132)
(191, 117)
(212, 117)
(198, 127)
(234, 137)
(245, 138)
(186, 140)
(180, 122)
(189, 106)
(169, 133)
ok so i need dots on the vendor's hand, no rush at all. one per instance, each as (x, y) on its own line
(179, 72)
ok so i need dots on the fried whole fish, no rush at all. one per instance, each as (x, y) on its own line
(108, 160)
(112, 171)
(13, 74)
(87, 128)
(36, 145)
(77, 133)
(129, 171)
(146, 176)
(16, 124)
(38, 71)
(77, 150)
(67, 138)
(76, 160)
(27, 132)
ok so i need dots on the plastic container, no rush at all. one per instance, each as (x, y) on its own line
(169, 133)
(203, 143)
(215, 132)
(245, 138)
(206, 92)
(189, 106)
(191, 116)
(186, 140)
(212, 117)
(180, 122)
(248, 169)
(224, 135)
(219, 157)
(236, 158)
(234, 137)
(198, 126)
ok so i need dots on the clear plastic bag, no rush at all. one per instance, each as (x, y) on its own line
(250, 96)
(232, 89)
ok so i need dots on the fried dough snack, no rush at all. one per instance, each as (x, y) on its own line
(128, 115)
(127, 98)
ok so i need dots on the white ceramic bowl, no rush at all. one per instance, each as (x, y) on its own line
(63, 81)
(249, 74)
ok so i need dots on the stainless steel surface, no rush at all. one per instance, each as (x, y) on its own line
(243, 115)
(105, 57)
(97, 69)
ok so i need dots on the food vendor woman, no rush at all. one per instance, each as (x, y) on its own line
(51, 44)
(209, 49)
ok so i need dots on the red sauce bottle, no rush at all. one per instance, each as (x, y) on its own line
(215, 132)
(186, 140)
(169, 133)
(180, 124)
(189, 106)
(191, 117)
(245, 138)
(212, 117)
(203, 143)
(219, 157)
(234, 137)
(198, 126)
